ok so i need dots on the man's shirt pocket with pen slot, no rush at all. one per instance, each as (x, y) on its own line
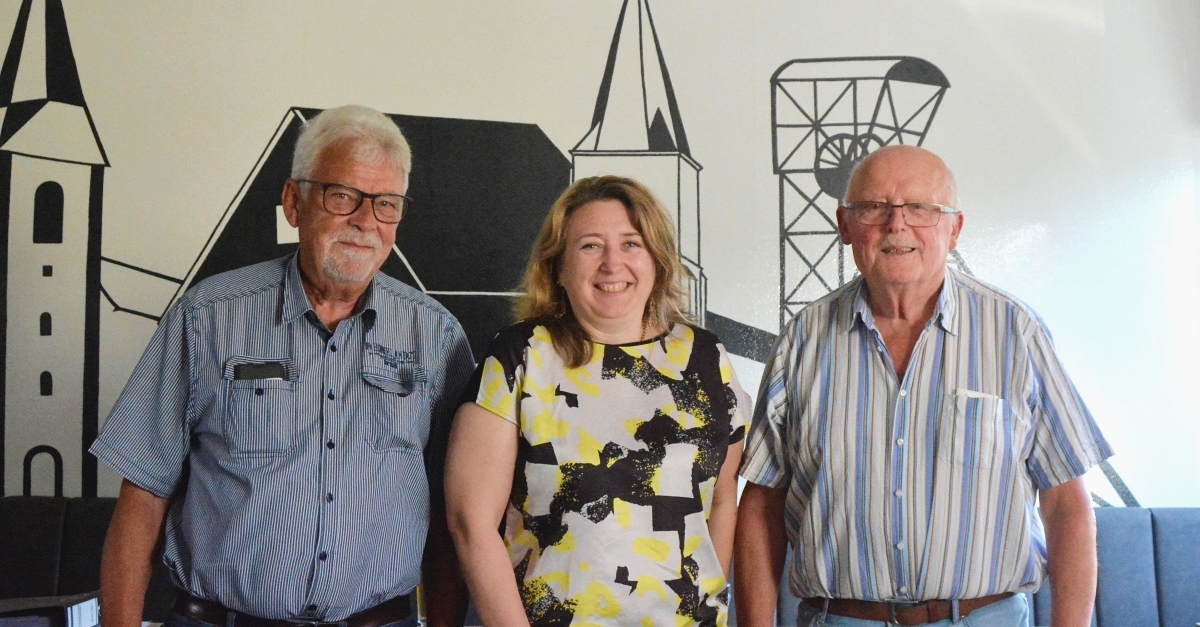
(260, 406)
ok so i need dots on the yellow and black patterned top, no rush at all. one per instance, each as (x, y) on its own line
(617, 461)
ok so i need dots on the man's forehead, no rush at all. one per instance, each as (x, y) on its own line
(340, 160)
(901, 170)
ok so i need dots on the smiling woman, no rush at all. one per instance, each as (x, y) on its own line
(603, 429)
(598, 239)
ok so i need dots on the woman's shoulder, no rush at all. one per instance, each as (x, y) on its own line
(696, 334)
(513, 339)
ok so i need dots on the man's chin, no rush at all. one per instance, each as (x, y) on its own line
(349, 273)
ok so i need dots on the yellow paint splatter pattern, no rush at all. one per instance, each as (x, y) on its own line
(597, 542)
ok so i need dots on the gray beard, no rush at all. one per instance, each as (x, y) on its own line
(347, 268)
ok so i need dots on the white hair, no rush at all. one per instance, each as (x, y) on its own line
(375, 138)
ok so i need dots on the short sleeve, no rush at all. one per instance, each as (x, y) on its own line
(1067, 441)
(497, 382)
(739, 400)
(147, 435)
(764, 461)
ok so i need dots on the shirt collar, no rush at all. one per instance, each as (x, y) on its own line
(295, 300)
(945, 312)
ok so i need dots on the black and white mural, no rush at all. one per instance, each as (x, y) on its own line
(506, 103)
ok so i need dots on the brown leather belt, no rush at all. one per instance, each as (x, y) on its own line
(391, 611)
(904, 614)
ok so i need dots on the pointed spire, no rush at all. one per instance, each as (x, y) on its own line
(42, 107)
(636, 108)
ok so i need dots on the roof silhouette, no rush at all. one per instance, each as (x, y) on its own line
(480, 190)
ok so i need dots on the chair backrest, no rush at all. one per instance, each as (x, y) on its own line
(31, 529)
(1177, 564)
(51, 546)
(1149, 566)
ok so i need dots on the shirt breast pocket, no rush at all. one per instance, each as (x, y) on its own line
(976, 430)
(260, 416)
(396, 402)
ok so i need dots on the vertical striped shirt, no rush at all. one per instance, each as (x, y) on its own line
(298, 461)
(921, 487)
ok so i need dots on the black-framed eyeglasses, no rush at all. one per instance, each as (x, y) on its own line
(343, 200)
(872, 213)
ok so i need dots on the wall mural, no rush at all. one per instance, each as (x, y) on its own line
(483, 188)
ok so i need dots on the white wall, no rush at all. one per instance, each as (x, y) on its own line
(1073, 127)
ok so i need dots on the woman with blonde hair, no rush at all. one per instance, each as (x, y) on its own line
(601, 433)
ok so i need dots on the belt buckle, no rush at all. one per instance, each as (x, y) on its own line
(892, 605)
(300, 622)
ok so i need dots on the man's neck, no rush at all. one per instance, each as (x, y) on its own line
(332, 302)
(910, 305)
(900, 315)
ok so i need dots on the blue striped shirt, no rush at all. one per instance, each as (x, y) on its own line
(922, 487)
(293, 455)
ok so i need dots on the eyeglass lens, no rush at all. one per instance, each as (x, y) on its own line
(342, 200)
(879, 213)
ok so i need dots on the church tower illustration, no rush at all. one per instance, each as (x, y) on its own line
(51, 190)
(637, 132)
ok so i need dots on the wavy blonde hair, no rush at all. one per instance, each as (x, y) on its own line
(545, 301)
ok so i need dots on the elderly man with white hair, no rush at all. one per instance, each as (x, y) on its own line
(907, 428)
(286, 427)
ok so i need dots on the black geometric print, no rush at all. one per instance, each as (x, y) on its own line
(542, 606)
(623, 578)
(626, 473)
(572, 400)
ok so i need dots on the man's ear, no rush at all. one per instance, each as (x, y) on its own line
(843, 230)
(291, 202)
(958, 224)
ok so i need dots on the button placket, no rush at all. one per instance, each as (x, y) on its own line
(902, 418)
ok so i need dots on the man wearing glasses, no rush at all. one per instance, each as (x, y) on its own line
(287, 423)
(907, 426)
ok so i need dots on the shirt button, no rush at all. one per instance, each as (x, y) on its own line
(900, 442)
(322, 556)
(903, 392)
(329, 396)
(903, 589)
(258, 391)
(329, 497)
(333, 348)
(899, 492)
(900, 545)
(329, 444)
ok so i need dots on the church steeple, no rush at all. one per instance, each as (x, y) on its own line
(636, 107)
(42, 109)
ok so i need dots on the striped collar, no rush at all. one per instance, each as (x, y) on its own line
(945, 311)
(295, 299)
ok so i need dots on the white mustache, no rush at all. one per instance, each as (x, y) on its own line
(358, 238)
(887, 243)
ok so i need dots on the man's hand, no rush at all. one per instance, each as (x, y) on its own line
(759, 548)
(1071, 552)
(125, 566)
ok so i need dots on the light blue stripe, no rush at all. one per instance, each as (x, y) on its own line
(969, 478)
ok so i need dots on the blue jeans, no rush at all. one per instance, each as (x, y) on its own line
(1011, 612)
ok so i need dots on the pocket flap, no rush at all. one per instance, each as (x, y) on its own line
(243, 368)
(396, 384)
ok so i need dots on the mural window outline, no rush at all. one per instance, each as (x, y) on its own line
(48, 213)
(45, 324)
(46, 383)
